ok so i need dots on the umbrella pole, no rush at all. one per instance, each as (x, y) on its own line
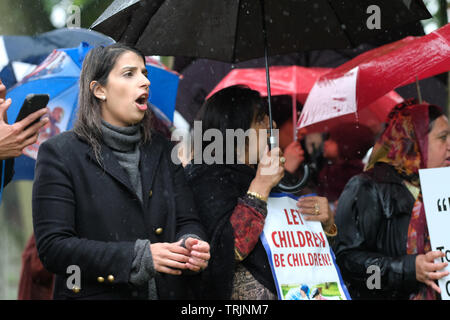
(272, 140)
(294, 116)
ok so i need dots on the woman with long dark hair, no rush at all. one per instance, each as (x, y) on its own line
(380, 213)
(113, 216)
(231, 184)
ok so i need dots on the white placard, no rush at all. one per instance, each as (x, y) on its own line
(302, 262)
(435, 185)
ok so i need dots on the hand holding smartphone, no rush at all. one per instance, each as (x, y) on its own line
(15, 137)
(32, 103)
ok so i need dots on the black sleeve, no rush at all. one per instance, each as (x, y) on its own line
(8, 169)
(358, 218)
(54, 216)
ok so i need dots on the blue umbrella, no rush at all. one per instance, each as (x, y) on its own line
(19, 54)
(58, 77)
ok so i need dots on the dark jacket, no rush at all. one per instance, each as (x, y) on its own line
(333, 177)
(373, 217)
(90, 216)
(9, 170)
(216, 191)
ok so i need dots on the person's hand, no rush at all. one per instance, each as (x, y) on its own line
(427, 271)
(2, 90)
(199, 254)
(270, 171)
(169, 258)
(316, 208)
(294, 155)
(301, 133)
(15, 137)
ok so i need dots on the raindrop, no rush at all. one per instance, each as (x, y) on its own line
(286, 13)
(357, 118)
(343, 27)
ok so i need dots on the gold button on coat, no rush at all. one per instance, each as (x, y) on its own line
(110, 278)
(75, 289)
(101, 279)
(158, 231)
(150, 193)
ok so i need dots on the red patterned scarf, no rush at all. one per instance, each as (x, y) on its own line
(404, 145)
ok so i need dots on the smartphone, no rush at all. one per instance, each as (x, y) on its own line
(32, 103)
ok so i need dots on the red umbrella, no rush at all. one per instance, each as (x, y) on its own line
(297, 82)
(353, 86)
(284, 80)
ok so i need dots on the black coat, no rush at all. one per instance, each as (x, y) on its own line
(90, 216)
(9, 170)
(216, 189)
(372, 217)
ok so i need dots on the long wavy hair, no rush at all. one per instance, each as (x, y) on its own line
(96, 67)
(234, 107)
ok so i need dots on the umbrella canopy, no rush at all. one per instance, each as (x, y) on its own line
(19, 55)
(232, 30)
(359, 82)
(238, 30)
(58, 76)
(294, 81)
(297, 81)
(285, 80)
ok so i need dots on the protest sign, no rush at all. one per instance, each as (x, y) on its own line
(436, 197)
(302, 262)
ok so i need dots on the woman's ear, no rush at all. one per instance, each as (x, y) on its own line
(98, 90)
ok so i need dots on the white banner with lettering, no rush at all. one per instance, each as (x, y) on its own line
(436, 200)
(303, 264)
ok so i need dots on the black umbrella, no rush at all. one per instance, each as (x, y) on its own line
(231, 30)
(235, 30)
(238, 30)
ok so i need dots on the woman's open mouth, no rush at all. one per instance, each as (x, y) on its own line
(447, 162)
(141, 102)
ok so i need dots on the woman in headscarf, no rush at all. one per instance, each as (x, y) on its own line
(380, 214)
(231, 191)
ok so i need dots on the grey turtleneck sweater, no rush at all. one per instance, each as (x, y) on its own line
(124, 143)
